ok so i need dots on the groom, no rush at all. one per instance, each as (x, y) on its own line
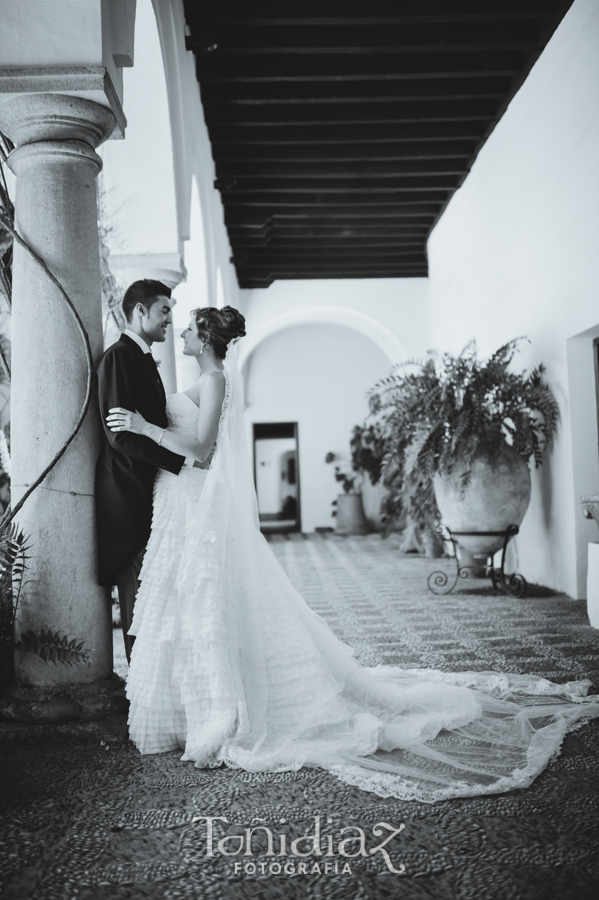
(125, 471)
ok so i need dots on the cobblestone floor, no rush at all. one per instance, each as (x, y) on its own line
(85, 816)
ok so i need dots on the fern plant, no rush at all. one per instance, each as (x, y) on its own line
(13, 558)
(438, 416)
(54, 647)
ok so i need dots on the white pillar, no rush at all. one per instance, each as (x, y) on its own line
(170, 270)
(56, 213)
(593, 585)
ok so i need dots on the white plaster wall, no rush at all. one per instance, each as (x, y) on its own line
(516, 253)
(51, 33)
(138, 176)
(400, 305)
(192, 150)
(154, 200)
(62, 33)
(191, 293)
(317, 376)
(158, 183)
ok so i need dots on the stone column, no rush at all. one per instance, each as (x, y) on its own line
(56, 212)
(169, 269)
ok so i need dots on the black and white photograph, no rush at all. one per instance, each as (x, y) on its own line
(299, 450)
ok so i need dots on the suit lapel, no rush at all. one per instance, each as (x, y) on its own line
(151, 373)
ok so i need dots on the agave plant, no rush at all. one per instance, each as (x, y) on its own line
(439, 415)
(51, 646)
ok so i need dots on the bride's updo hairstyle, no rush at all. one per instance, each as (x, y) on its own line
(218, 327)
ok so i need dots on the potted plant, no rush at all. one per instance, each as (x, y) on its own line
(409, 504)
(349, 512)
(464, 431)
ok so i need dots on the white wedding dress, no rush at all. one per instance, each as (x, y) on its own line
(231, 665)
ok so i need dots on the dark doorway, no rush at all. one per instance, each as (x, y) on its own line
(276, 474)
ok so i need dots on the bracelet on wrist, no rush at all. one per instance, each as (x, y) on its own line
(162, 433)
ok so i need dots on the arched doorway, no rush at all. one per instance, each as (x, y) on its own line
(315, 375)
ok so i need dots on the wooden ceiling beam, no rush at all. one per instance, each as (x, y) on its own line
(387, 113)
(308, 237)
(346, 185)
(341, 37)
(333, 261)
(338, 140)
(247, 171)
(325, 92)
(300, 224)
(325, 133)
(258, 219)
(297, 272)
(253, 282)
(358, 153)
(454, 63)
(325, 249)
(416, 200)
(387, 13)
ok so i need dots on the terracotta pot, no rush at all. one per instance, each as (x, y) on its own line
(350, 515)
(497, 496)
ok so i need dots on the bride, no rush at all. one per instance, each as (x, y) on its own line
(231, 664)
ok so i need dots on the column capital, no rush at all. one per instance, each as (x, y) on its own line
(89, 83)
(53, 151)
(31, 118)
(166, 267)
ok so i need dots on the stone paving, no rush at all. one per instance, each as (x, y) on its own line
(85, 816)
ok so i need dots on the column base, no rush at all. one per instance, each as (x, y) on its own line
(64, 703)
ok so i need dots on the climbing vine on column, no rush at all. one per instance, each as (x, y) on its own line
(50, 645)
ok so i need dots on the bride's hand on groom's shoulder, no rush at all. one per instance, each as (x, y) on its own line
(119, 419)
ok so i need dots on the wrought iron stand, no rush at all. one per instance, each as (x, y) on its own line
(513, 585)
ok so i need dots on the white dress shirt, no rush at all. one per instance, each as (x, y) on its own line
(139, 341)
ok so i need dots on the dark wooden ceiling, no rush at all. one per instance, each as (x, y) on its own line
(340, 138)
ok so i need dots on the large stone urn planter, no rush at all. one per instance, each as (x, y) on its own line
(350, 517)
(497, 496)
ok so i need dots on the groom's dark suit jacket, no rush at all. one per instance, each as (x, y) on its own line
(127, 465)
